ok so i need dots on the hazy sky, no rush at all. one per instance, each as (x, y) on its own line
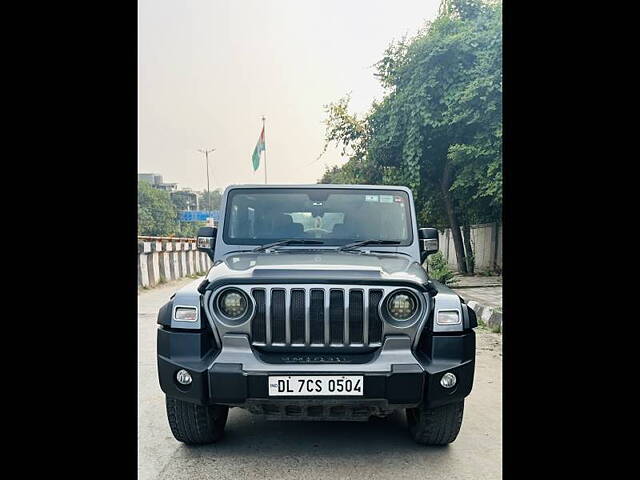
(209, 69)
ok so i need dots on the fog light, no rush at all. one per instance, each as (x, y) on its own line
(448, 380)
(183, 377)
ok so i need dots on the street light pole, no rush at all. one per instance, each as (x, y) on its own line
(206, 155)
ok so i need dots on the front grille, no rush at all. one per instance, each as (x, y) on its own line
(328, 317)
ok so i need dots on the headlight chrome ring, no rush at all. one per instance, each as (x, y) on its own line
(234, 305)
(401, 307)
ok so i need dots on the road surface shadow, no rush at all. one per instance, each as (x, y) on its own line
(247, 435)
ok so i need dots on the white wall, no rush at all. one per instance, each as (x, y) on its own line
(486, 243)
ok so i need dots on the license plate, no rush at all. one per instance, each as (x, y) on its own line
(316, 385)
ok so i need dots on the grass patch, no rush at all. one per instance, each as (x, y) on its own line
(484, 328)
(439, 270)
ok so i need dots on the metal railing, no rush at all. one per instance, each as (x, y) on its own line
(146, 238)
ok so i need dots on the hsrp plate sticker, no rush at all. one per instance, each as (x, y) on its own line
(316, 385)
(371, 198)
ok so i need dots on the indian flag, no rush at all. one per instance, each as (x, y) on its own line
(260, 147)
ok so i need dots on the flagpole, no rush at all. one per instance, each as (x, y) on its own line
(265, 151)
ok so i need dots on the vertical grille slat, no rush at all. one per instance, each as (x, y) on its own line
(355, 317)
(317, 316)
(326, 317)
(365, 318)
(297, 316)
(267, 312)
(336, 316)
(278, 317)
(307, 317)
(375, 322)
(258, 324)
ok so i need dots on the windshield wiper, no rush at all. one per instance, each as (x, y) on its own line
(351, 246)
(292, 241)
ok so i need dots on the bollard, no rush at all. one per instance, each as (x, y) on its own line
(194, 259)
(175, 262)
(202, 262)
(197, 262)
(183, 261)
(153, 263)
(177, 246)
(143, 268)
(189, 255)
(165, 262)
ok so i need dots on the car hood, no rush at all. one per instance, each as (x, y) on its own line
(322, 266)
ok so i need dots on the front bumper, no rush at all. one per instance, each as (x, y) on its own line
(395, 377)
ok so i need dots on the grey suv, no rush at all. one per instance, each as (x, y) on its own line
(316, 307)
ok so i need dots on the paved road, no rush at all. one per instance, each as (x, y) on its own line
(256, 448)
(487, 296)
(484, 290)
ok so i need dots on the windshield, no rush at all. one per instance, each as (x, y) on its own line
(333, 216)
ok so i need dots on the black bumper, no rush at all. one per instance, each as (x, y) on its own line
(228, 384)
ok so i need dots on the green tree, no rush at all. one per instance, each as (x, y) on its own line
(438, 129)
(203, 200)
(189, 229)
(183, 200)
(156, 214)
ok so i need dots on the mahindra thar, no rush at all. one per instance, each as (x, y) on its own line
(316, 307)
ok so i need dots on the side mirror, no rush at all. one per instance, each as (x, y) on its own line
(206, 240)
(429, 243)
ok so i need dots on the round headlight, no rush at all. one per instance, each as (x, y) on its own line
(402, 306)
(233, 304)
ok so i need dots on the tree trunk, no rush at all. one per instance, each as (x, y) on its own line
(466, 234)
(453, 221)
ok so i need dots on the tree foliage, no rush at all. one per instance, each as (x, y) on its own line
(203, 200)
(157, 215)
(438, 129)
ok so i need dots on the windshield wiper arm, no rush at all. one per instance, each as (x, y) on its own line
(292, 241)
(353, 245)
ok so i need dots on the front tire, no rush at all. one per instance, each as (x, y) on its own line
(196, 424)
(435, 426)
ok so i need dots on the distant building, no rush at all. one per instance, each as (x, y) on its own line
(155, 180)
(149, 178)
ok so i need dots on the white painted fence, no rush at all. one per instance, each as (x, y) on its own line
(162, 259)
(486, 243)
